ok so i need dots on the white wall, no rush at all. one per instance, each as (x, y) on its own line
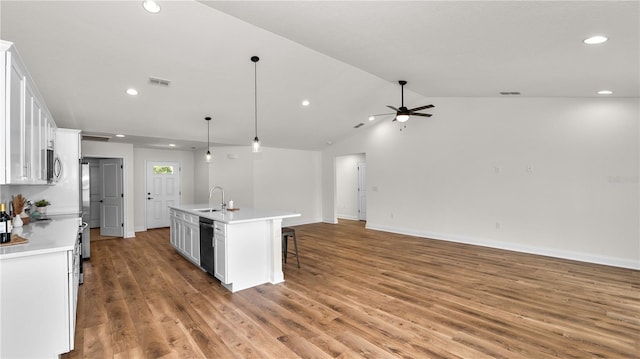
(141, 156)
(200, 176)
(289, 180)
(124, 151)
(554, 176)
(281, 179)
(231, 168)
(347, 185)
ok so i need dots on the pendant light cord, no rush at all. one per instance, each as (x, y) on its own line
(255, 92)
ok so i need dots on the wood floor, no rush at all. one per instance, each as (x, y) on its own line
(359, 294)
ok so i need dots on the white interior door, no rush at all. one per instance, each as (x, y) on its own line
(111, 204)
(163, 190)
(362, 192)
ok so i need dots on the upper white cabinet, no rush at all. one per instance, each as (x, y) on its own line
(29, 130)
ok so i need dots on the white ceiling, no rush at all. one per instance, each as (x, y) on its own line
(345, 57)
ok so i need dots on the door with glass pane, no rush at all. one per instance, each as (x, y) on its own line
(163, 190)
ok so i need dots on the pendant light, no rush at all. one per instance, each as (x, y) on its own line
(256, 141)
(208, 157)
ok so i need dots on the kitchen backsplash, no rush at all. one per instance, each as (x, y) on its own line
(30, 192)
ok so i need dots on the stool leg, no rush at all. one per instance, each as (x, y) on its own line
(285, 245)
(295, 244)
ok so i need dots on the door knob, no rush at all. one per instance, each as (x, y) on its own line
(149, 197)
(101, 201)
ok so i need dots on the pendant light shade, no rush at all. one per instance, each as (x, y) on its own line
(256, 141)
(208, 156)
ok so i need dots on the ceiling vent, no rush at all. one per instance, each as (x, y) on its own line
(510, 93)
(159, 82)
(96, 138)
(359, 125)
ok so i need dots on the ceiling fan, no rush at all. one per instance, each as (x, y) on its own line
(403, 113)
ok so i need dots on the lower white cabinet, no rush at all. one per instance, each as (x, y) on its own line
(220, 263)
(38, 304)
(185, 235)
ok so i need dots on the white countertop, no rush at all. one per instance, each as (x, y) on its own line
(240, 216)
(48, 236)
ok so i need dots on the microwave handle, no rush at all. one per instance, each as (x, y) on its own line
(57, 168)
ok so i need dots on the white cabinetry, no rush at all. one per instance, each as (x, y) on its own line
(185, 235)
(220, 252)
(28, 126)
(38, 303)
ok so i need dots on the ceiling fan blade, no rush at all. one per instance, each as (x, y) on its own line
(384, 114)
(421, 114)
(393, 108)
(421, 108)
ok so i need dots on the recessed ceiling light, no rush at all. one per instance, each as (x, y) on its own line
(605, 92)
(371, 118)
(305, 103)
(172, 145)
(120, 136)
(132, 92)
(594, 40)
(151, 6)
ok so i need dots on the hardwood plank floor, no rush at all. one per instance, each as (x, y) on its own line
(359, 294)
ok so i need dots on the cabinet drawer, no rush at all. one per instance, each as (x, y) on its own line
(219, 229)
(192, 219)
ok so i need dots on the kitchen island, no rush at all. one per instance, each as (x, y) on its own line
(247, 243)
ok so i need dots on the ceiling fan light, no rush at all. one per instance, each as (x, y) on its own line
(402, 118)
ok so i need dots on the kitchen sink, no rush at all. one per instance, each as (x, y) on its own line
(208, 210)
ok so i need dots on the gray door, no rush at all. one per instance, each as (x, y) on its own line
(111, 204)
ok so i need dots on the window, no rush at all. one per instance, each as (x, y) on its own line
(162, 170)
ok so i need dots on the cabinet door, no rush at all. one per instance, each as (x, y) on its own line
(181, 235)
(220, 261)
(173, 229)
(195, 244)
(28, 133)
(16, 130)
(188, 241)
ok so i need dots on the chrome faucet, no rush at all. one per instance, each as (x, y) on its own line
(224, 205)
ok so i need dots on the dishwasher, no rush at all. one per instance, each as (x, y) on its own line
(206, 244)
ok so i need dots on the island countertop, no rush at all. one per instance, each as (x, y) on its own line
(238, 216)
(43, 237)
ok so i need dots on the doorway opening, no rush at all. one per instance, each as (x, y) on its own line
(351, 194)
(106, 202)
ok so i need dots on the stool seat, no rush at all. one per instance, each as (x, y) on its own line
(286, 233)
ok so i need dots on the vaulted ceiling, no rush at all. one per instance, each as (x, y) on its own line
(344, 57)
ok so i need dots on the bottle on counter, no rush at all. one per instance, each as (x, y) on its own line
(5, 225)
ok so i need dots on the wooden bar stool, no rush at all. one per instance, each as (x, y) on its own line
(286, 233)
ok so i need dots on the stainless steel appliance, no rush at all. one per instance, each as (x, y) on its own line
(206, 244)
(85, 197)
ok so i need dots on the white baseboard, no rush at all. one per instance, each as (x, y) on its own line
(298, 222)
(330, 220)
(544, 251)
(130, 235)
(347, 216)
(140, 229)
